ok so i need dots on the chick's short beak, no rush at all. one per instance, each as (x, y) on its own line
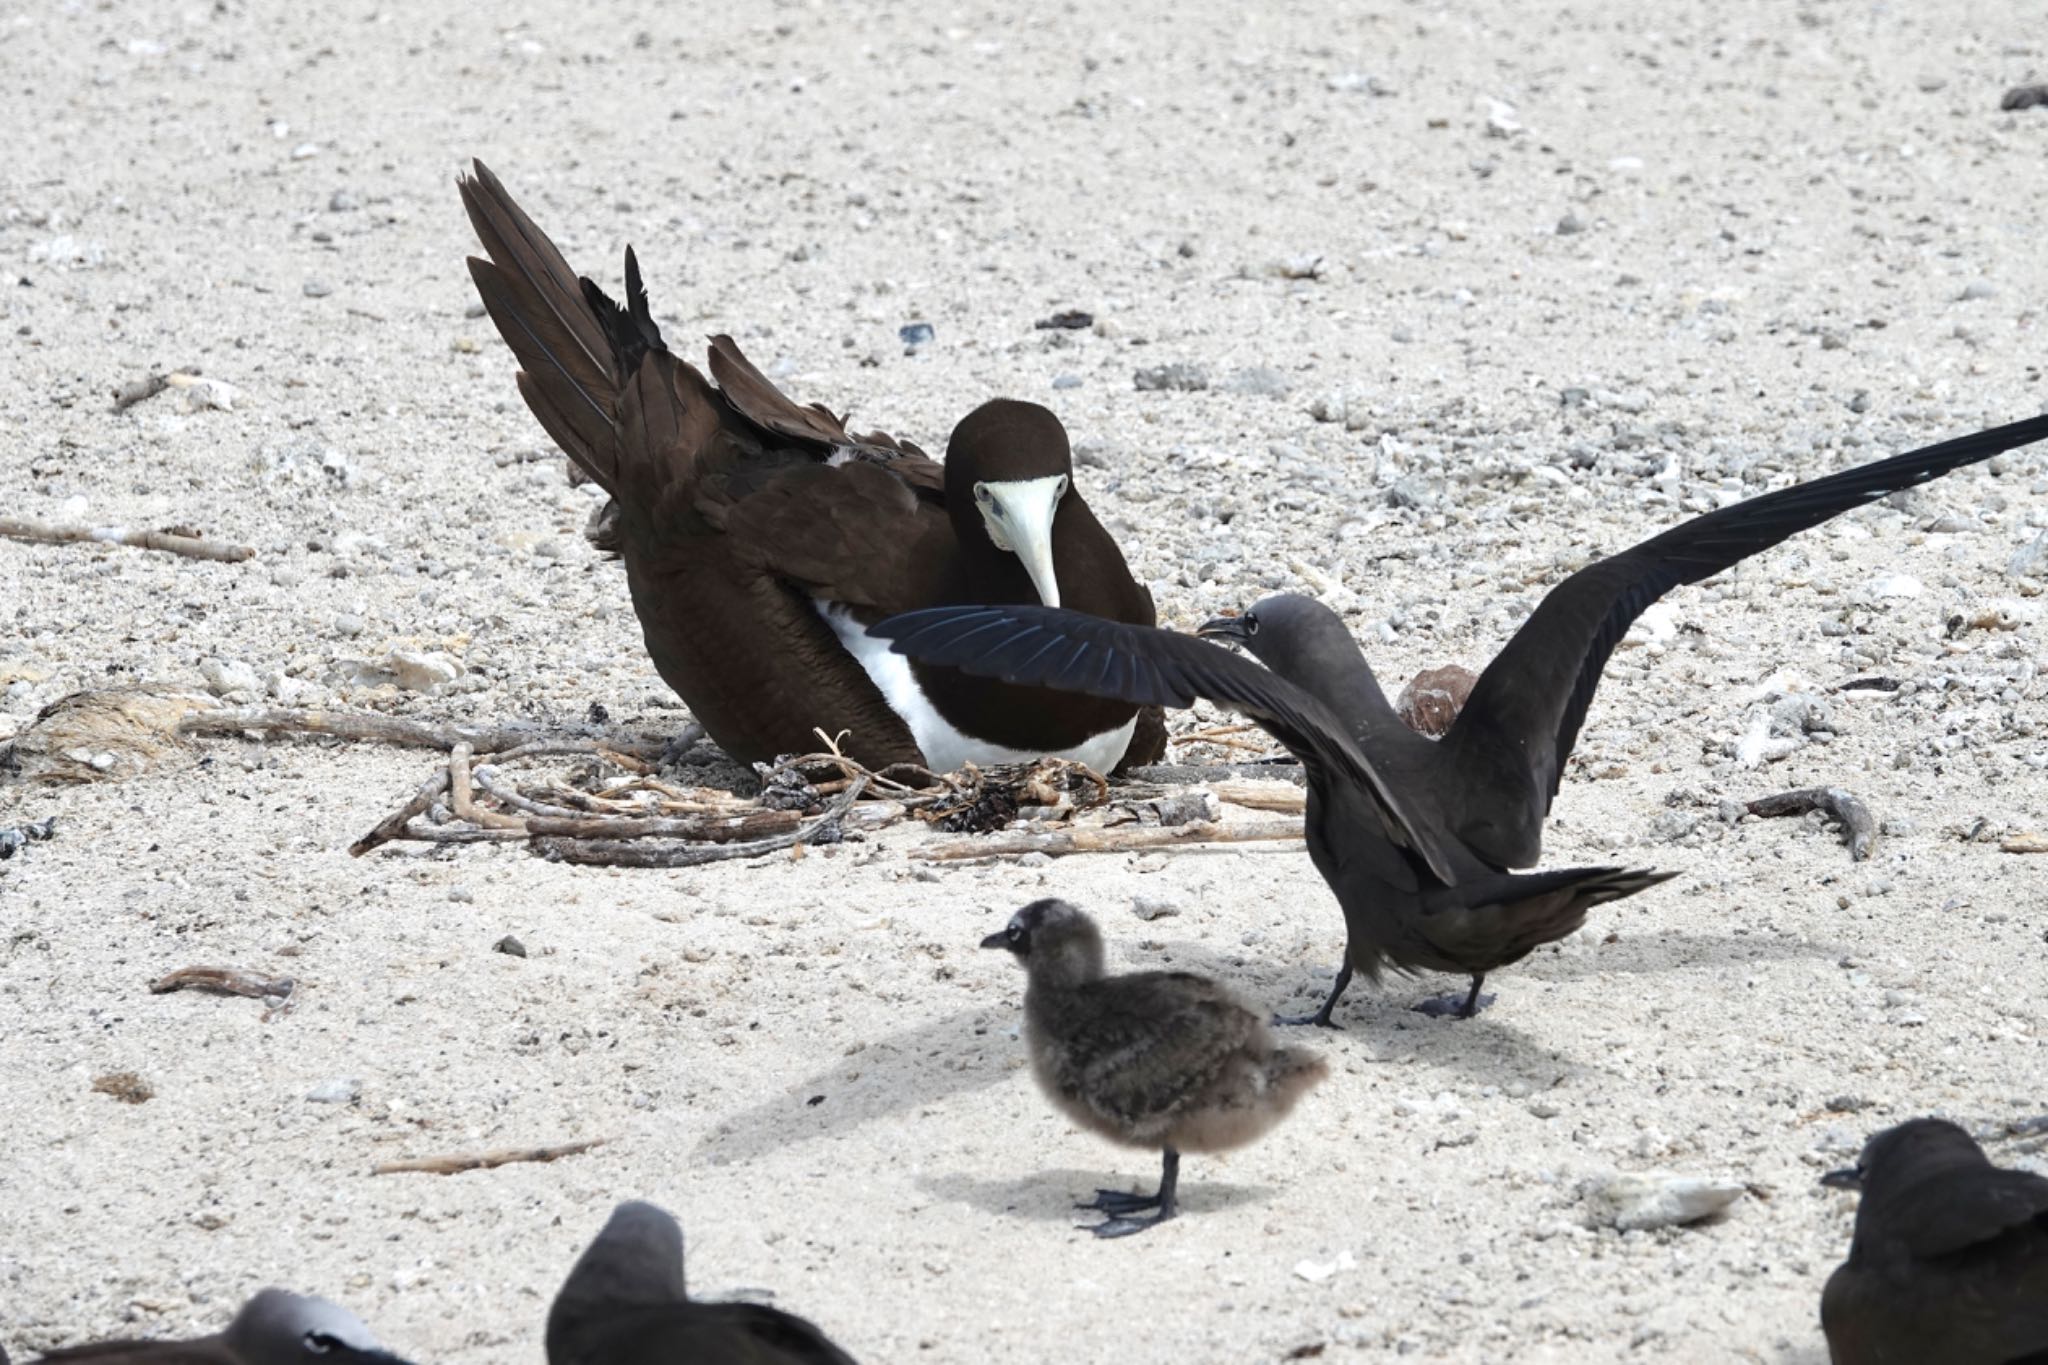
(999, 939)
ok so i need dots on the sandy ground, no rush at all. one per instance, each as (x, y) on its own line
(1691, 251)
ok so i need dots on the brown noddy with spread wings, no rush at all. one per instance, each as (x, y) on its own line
(1416, 836)
(761, 538)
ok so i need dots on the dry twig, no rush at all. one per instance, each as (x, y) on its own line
(627, 853)
(191, 547)
(1859, 831)
(275, 992)
(484, 1161)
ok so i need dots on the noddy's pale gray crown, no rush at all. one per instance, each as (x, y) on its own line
(276, 1327)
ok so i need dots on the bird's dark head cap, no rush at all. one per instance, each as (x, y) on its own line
(1900, 1151)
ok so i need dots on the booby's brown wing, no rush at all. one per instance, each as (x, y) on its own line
(766, 406)
(1526, 709)
(1073, 652)
(858, 533)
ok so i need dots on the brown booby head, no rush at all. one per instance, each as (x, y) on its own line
(1010, 463)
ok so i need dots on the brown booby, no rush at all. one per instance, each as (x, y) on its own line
(1949, 1262)
(1167, 1061)
(624, 1303)
(274, 1328)
(761, 538)
(1415, 835)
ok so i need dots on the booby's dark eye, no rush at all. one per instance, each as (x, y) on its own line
(982, 495)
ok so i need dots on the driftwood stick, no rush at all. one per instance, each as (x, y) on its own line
(275, 992)
(394, 825)
(191, 547)
(722, 828)
(462, 796)
(725, 829)
(1118, 839)
(626, 853)
(484, 1161)
(1859, 831)
(358, 725)
(487, 778)
(463, 834)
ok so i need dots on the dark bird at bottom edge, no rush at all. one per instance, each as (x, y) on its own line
(625, 1303)
(275, 1327)
(1167, 1061)
(1415, 836)
(1949, 1262)
(760, 538)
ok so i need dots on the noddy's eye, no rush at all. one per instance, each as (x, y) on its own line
(1015, 933)
(319, 1343)
(1251, 624)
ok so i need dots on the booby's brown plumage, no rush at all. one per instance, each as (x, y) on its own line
(761, 537)
(1167, 1061)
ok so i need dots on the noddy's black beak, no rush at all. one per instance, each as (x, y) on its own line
(999, 939)
(1222, 628)
(1848, 1178)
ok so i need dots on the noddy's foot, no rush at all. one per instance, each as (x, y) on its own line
(1454, 1005)
(1119, 1202)
(1321, 1018)
(1124, 1227)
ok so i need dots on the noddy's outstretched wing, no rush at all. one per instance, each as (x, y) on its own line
(1073, 652)
(1533, 696)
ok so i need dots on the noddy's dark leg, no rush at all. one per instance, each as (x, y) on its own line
(1440, 1006)
(1120, 1206)
(1321, 1018)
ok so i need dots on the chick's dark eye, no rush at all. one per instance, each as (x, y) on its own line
(1015, 933)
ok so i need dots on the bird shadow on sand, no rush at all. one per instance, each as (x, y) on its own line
(1382, 1019)
(1643, 952)
(1051, 1196)
(963, 1051)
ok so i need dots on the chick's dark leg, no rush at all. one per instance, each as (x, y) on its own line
(1439, 1006)
(1120, 1206)
(1321, 1018)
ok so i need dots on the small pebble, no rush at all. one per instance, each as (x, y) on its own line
(1637, 1201)
(340, 1090)
(916, 334)
(1153, 907)
(1179, 376)
(509, 946)
(316, 289)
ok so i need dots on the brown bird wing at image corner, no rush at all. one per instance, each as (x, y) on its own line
(732, 506)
